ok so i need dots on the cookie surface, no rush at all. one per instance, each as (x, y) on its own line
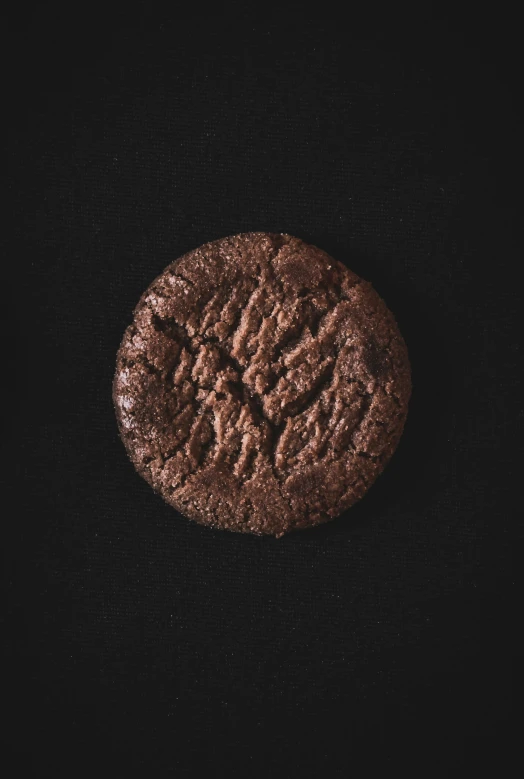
(262, 386)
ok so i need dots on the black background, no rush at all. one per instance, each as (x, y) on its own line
(136, 638)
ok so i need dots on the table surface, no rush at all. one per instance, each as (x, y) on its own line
(139, 638)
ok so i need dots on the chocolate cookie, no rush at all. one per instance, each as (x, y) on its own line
(262, 386)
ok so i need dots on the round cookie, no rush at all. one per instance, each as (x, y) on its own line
(262, 386)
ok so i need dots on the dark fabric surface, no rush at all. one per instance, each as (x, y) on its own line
(138, 638)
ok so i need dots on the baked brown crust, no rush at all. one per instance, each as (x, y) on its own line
(262, 386)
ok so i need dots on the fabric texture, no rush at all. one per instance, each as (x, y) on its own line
(138, 638)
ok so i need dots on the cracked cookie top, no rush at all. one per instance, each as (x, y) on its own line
(262, 385)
